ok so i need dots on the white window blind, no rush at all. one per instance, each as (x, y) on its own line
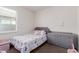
(7, 20)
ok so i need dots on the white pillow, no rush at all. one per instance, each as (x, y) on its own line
(36, 32)
(39, 32)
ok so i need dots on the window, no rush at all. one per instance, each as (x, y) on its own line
(7, 20)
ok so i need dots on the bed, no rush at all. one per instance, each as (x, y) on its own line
(26, 43)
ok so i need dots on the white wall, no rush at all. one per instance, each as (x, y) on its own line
(25, 22)
(78, 25)
(61, 19)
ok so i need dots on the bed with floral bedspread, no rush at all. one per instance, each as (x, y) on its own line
(28, 42)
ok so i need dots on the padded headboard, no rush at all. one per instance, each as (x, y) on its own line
(46, 29)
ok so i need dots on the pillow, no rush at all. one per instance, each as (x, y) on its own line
(42, 32)
(39, 32)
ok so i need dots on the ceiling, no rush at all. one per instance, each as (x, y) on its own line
(36, 8)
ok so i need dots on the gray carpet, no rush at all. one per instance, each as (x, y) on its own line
(45, 48)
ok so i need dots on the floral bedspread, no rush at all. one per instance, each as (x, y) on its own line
(28, 42)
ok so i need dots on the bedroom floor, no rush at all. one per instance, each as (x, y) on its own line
(45, 48)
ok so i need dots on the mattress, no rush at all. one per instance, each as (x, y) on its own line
(28, 42)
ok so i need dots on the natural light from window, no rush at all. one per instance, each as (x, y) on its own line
(7, 20)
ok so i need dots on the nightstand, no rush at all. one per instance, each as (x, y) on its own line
(4, 45)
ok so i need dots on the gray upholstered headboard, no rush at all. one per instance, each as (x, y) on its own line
(46, 29)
